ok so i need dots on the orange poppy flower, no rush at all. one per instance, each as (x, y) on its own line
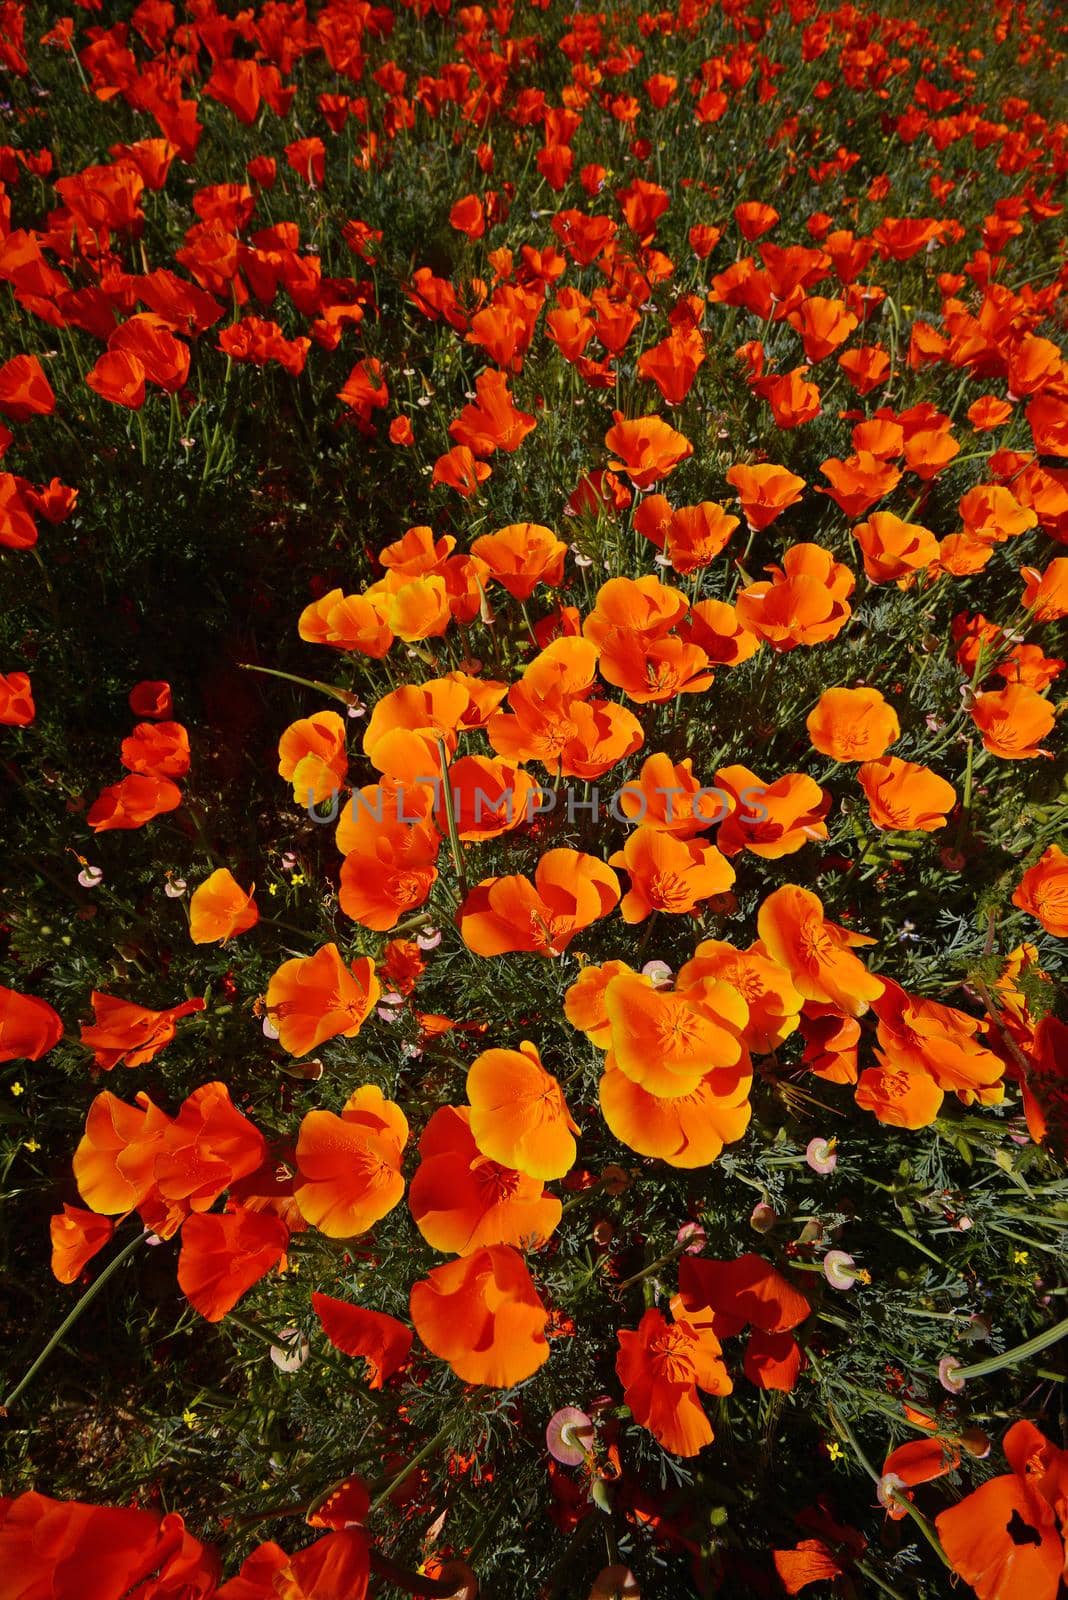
(77, 1236)
(312, 756)
(666, 796)
(349, 1166)
(793, 402)
(390, 843)
(673, 364)
(489, 797)
(748, 1290)
(1046, 593)
(1002, 1539)
(48, 1547)
(114, 1161)
(481, 1314)
(1043, 891)
(519, 1117)
(703, 239)
(521, 556)
(667, 1040)
(130, 1035)
(157, 749)
(852, 724)
(988, 412)
(686, 1130)
(18, 529)
(918, 1461)
(646, 447)
(224, 1254)
(219, 909)
(337, 1564)
(894, 550)
(717, 628)
(653, 670)
(823, 324)
(661, 1366)
(147, 338)
(17, 709)
(1012, 721)
(773, 1360)
(458, 469)
(349, 623)
(904, 796)
(468, 216)
(460, 1200)
(205, 1149)
(569, 325)
(314, 998)
(505, 328)
(403, 729)
(919, 1034)
(754, 217)
(643, 204)
(25, 392)
(151, 698)
(765, 492)
(991, 513)
(866, 367)
(584, 1005)
(669, 874)
(412, 608)
(831, 1042)
(692, 536)
(642, 608)
(774, 1004)
(132, 802)
(570, 890)
(1047, 418)
(805, 603)
(816, 953)
(138, 1158)
(584, 238)
(28, 1026)
(771, 819)
(417, 553)
(900, 1096)
(382, 1341)
(118, 376)
(553, 721)
(859, 481)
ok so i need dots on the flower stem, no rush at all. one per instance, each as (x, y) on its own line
(1021, 1352)
(450, 817)
(68, 1322)
(418, 1459)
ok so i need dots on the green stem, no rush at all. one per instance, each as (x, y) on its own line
(68, 1322)
(418, 1459)
(346, 696)
(661, 1261)
(1012, 1358)
(450, 817)
(880, 1583)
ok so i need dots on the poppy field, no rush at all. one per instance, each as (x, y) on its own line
(533, 578)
